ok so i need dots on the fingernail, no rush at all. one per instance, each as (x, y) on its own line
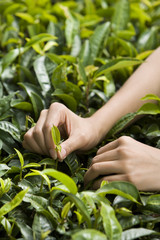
(53, 154)
(63, 153)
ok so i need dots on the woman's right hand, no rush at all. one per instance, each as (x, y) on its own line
(80, 133)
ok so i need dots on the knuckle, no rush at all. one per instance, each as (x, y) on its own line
(83, 136)
(94, 167)
(47, 127)
(43, 112)
(27, 136)
(57, 106)
(122, 150)
(37, 131)
(124, 140)
(129, 177)
(94, 160)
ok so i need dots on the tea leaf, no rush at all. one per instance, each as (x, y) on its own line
(63, 178)
(9, 206)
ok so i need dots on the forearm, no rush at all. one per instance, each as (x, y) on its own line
(145, 80)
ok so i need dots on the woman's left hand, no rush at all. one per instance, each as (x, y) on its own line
(126, 159)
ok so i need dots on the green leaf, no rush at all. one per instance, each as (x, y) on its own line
(25, 106)
(39, 173)
(40, 209)
(9, 206)
(65, 210)
(80, 206)
(121, 15)
(97, 39)
(41, 226)
(153, 203)
(72, 162)
(41, 73)
(71, 28)
(6, 224)
(67, 99)
(29, 165)
(151, 97)
(63, 178)
(111, 225)
(20, 157)
(11, 129)
(121, 124)
(10, 57)
(124, 189)
(5, 186)
(34, 96)
(149, 108)
(136, 233)
(148, 40)
(25, 230)
(89, 7)
(42, 37)
(89, 234)
(25, 16)
(55, 135)
(85, 53)
(116, 64)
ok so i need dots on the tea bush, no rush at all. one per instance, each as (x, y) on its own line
(78, 53)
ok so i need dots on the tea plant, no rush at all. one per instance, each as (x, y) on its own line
(78, 53)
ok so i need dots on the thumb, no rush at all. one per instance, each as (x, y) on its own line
(68, 146)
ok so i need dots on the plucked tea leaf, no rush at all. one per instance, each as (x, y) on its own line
(55, 135)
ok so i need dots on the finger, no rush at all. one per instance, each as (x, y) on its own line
(106, 156)
(108, 147)
(103, 168)
(38, 133)
(31, 145)
(118, 177)
(70, 145)
(55, 116)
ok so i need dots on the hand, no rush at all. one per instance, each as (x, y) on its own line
(80, 132)
(126, 159)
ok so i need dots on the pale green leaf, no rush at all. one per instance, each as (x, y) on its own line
(88, 234)
(63, 178)
(9, 206)
(20, 157)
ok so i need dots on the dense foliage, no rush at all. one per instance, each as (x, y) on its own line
(78, 53)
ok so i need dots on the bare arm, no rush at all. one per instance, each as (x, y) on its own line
(145, 80)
